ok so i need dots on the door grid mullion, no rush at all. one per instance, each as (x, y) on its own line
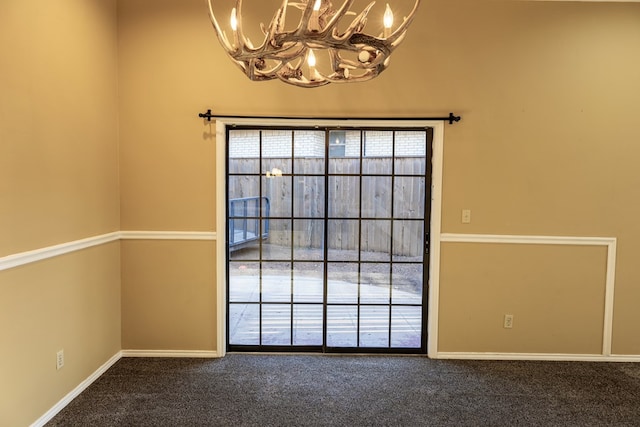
(371, 277)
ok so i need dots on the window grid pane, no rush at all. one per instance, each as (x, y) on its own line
(339, 237)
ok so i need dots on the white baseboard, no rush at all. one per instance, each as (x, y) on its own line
(537, 357)
(193, 354)
(76, 391)
(48, 416)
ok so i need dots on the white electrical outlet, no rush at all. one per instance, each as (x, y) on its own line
(60, 359)
(508, 321)
(466, 216)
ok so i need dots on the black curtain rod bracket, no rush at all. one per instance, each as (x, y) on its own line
(452, 118)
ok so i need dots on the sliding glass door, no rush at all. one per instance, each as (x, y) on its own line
(327, 239)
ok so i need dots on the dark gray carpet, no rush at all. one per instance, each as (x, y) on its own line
(300, 390)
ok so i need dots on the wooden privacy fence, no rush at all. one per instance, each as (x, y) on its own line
(304, 197)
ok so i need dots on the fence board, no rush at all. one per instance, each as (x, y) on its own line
(306, 196)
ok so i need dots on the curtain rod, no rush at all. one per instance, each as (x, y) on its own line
(452, 118)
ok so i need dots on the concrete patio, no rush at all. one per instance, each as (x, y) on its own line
(292, 313)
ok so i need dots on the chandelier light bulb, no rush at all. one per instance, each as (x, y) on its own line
(354, 55)
(311, 58)
(388, 17)
(234, 20)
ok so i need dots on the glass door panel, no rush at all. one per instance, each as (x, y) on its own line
(326, 239)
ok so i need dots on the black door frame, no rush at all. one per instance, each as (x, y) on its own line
(427, 227)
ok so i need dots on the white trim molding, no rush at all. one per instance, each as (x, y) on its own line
(607, 328)
(28, 257)
(221, 245)
(437, 162)
(188, 354)
(191, 354)
(549, 357)
(438, 127)
(48, 416)
(168, 235)
(22, 258)
(527, 240)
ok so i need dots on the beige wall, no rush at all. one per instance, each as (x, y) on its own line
(548, 96)
(555, 293)
(167, 176)
(69, 303)
(167, 160)
(58, 133)
(547, 146)
(58, 183)
(169, 301)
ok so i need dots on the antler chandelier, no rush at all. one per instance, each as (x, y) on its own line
(348, 54)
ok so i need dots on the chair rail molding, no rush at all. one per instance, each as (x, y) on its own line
(168, 235)
(609, 242)
(28, 257)
(40, 254)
